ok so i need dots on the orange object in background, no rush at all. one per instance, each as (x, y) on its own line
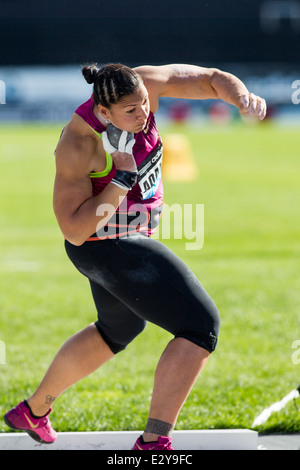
(178, 159)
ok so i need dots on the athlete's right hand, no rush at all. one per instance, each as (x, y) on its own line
(122, 156)
(252, 106)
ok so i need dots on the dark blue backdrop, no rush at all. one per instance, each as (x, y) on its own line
(147, 31)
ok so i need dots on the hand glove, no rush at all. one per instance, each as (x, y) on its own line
(116, 140)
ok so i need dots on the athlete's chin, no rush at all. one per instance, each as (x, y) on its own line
(140, 127)
(137, 128)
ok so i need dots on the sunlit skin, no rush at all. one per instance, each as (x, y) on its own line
(130, 113)
(80, 152)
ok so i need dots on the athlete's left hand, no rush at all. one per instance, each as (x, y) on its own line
(252, 105)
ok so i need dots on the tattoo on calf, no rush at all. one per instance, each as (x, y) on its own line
(156, 426)
(49, 399)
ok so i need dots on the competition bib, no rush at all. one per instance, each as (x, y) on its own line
(150, 173)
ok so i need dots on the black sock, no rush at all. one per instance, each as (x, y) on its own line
(33, 416)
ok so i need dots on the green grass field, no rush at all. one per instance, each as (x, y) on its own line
(249, 185)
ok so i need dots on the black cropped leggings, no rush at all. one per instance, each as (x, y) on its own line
(138, 279)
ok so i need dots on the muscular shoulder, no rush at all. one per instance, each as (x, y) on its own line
(158, 79)
(76, 148)
(177, 81)
(155, 79)
(155, 76)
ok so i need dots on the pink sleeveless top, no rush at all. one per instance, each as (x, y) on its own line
(147, 195)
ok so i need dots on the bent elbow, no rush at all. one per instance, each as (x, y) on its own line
(216, 77)
(72, 232)
(74, 239)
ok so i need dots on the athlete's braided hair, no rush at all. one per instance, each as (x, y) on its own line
(111, 82)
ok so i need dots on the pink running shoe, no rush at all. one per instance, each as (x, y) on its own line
(163, 443)
(38, 428)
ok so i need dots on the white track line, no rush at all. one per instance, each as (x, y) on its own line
(277, 406)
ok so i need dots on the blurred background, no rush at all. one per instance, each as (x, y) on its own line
(246, 175)
(43, 45)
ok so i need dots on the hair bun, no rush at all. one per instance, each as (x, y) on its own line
(89, 72)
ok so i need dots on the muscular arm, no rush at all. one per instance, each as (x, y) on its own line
(193, 82)
(78, 213)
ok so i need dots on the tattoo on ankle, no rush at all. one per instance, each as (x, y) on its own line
(49, 399)
(156, 426)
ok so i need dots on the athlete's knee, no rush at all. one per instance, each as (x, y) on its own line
(207, 341)
(119, 338)
(206, 332)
